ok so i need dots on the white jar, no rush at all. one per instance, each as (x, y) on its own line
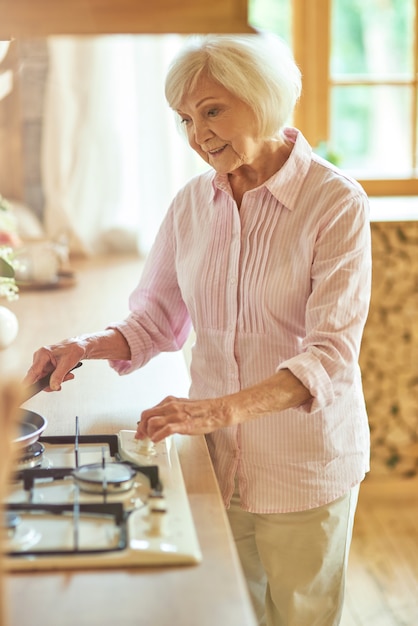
(9, 327)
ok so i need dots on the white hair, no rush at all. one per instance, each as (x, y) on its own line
(259, 69)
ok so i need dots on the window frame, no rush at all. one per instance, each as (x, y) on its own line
(311, 37)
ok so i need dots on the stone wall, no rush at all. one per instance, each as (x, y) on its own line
(389, 354)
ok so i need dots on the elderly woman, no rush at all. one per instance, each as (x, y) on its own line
(267, 256)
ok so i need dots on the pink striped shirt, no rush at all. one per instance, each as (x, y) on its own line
(282, 283)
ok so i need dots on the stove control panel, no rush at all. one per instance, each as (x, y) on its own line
(141, 452)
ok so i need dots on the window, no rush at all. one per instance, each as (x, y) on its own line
(360, 86)
(272, 15)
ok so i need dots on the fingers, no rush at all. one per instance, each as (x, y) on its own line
(62, 371)
(179, 416)
(154, 419)
(158, 429)
(56, 360)
(43, 364)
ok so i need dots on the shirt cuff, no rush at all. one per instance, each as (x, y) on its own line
(140, 346)
(312, 374)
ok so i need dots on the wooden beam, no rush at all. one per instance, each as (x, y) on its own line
(311, 41)
(40, 18)
(391, 187)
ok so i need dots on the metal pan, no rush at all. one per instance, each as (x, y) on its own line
(31, 426)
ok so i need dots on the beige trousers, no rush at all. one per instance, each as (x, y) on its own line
(295, 563)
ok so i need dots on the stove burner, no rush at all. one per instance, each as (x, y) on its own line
(23, 538)
(100, 478)
(20, 535)
(32, 456)
(12, 521)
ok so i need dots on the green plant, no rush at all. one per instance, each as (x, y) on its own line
(8, 238)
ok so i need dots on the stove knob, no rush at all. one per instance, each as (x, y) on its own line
(145, 447)
(157, 515)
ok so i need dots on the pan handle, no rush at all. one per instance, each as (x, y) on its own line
(42, 383)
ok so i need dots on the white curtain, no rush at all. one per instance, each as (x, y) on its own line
(112, 155)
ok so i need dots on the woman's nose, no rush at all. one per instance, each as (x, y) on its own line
(201, 132)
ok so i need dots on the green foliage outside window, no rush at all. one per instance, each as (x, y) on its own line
(373, 89)
(271, 15)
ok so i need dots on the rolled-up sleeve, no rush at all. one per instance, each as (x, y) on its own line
(337, 307)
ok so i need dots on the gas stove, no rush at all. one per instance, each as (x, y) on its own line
(99, 501)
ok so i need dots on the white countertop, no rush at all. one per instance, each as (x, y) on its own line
(393, 209)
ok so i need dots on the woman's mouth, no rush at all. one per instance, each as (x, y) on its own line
(216, 151)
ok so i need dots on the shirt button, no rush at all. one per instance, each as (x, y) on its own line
(233, 281)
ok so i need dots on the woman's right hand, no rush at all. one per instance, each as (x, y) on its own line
(57, 359)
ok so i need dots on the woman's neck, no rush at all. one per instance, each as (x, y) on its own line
(248, 177)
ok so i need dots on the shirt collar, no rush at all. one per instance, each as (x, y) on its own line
(285, 185)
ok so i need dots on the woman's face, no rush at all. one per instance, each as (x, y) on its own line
(220, 127)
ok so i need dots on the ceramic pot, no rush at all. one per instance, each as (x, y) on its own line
(9, 327)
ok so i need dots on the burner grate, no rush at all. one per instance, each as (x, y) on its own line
(110, 440)
(114, 511)
(30, 476)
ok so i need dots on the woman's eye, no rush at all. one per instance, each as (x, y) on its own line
(184, 120)
(213, 112)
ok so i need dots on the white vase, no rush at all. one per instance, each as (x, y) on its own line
(9, 327)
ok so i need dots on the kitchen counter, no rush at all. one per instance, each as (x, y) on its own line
(212, 592)
(393, 209)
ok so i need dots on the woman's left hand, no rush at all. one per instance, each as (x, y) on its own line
(199, 417)
(184, 417)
